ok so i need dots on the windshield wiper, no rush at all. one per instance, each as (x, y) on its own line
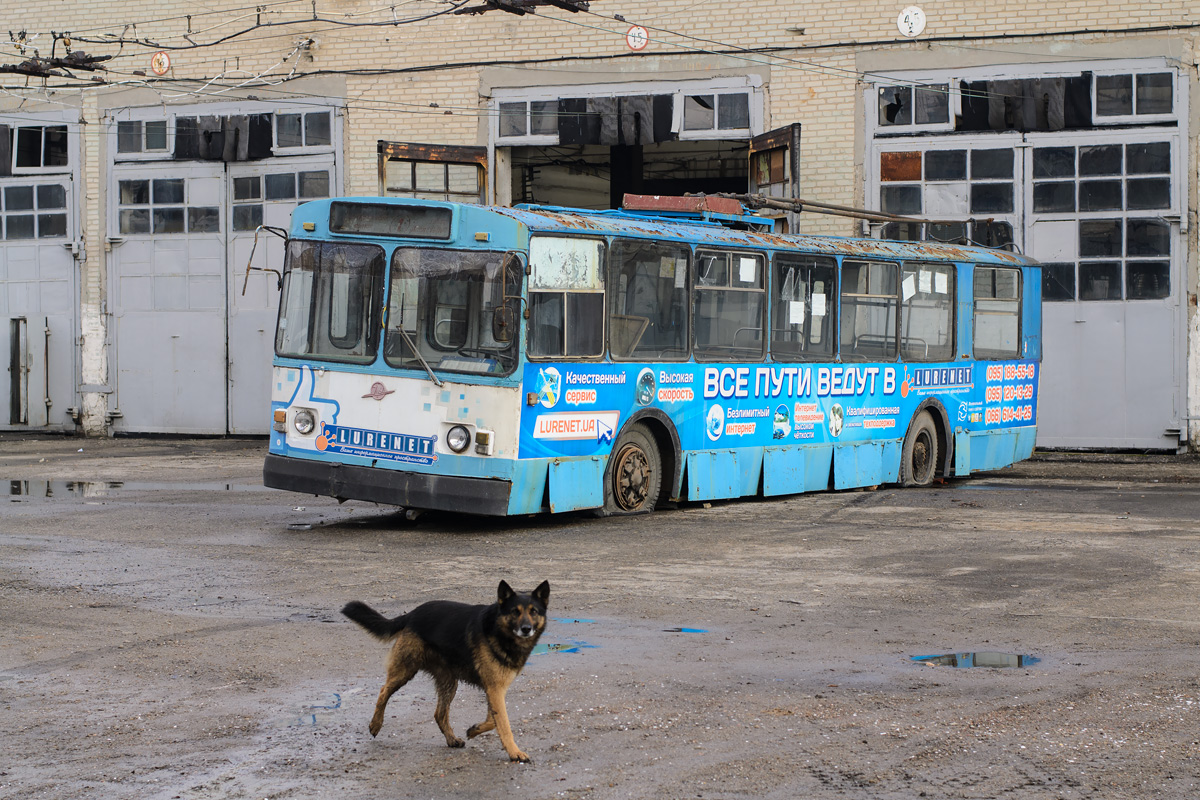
(412, 346)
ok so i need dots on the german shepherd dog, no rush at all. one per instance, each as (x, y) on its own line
(485, 646)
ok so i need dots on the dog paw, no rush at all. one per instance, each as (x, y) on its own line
(473, 731)
(519, 756)
(455, 742)
(374, 728)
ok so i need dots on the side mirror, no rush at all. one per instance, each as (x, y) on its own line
(503, 324)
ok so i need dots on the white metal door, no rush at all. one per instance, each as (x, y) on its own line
(38, 303)
(168, 304)
(261, 194)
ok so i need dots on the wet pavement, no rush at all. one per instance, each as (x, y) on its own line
(172, 631)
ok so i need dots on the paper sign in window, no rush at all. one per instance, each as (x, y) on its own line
(910, 288)
(926, 281)
(818, 305)
(747, 269)
(680, 273)
(795, 312)
(941, 282)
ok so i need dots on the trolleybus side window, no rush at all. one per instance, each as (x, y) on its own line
(870, 303)
(443, 303)
(997, 313)
(332, 295)
(927, 318)
(566, 297)
(803, 306)
(648, 308)
(729, 306)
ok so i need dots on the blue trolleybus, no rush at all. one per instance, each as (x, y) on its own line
(494, 360)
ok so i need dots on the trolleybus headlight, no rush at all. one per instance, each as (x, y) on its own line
(304, 422)
(458, 438)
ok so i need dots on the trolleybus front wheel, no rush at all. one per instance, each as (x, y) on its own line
(633, 479)
(918, 464)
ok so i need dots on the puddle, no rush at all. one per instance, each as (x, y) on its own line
(569, 620)
(684, 630)
(570, 646)
(79, 490)
(981, 659)
(315, 714)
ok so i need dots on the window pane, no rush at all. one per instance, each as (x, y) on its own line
(135, 220)
(50, 225)
(895, 105)
(512, 119)
(204, 220)
(869, 307)
(1054, 197)
(1147, 237)
(900, 199)
(51, 195)
(903, 166)
(946, 165)
(585, 323)
(728, 325)
(1054, 162)
(1100, 237)
(931, 104)
(247, 217)
(543, 117)
(399, 175)
(1154, 93)
(1114, 95)
(927, 316)
(546, 324)
(803, 307)
(1147, 280)
(134, 192)
(19, 226)
(168, 220)
(156, 134)
(281, 186)
(648, 308)
(948, 232)
(29, 149)
(1102, 160)
(698, 112)
(463, 179)
(991, 164)
(129, 136)
(247, 188)
(314, 184)
(1100, 280)
(997, 294)
(1099, 195)
(287, 130)
(18, 198)
(430, 177)
(169, 191)
(316, 129)
(54, 153)
(1148, 193)
(991, 233)
(733, 111)
(1058, 282)
(901, 231)
(991, 198)
(1148, 158)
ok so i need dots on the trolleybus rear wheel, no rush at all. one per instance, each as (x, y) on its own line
(633, 478)
(918, 464)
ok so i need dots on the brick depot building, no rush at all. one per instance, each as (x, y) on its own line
(140, 151)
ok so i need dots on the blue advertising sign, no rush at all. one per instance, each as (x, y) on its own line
(580, 407)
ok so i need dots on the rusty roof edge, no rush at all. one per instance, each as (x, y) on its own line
(545, 219)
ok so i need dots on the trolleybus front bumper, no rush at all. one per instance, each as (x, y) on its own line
(393, 487)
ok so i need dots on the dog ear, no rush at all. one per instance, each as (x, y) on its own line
(542, 593)
(504, 591)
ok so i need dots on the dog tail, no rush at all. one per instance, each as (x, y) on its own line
(375, 623)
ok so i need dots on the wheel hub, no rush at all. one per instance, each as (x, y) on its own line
(633, 474)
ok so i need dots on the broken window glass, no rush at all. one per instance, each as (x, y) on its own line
(1058, 282)
(512, 119)
(1100, 280)
(931, 104)
(1147, 280)
(895, 105)
(698, 112)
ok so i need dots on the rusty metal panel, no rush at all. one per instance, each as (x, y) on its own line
(647, 202)
(900, 166)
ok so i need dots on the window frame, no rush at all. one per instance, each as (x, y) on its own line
(702, 354)
(912, 268)
(1134, 117)
(1018, 303)
(563, 293)
(854, 357)
(831, 307)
